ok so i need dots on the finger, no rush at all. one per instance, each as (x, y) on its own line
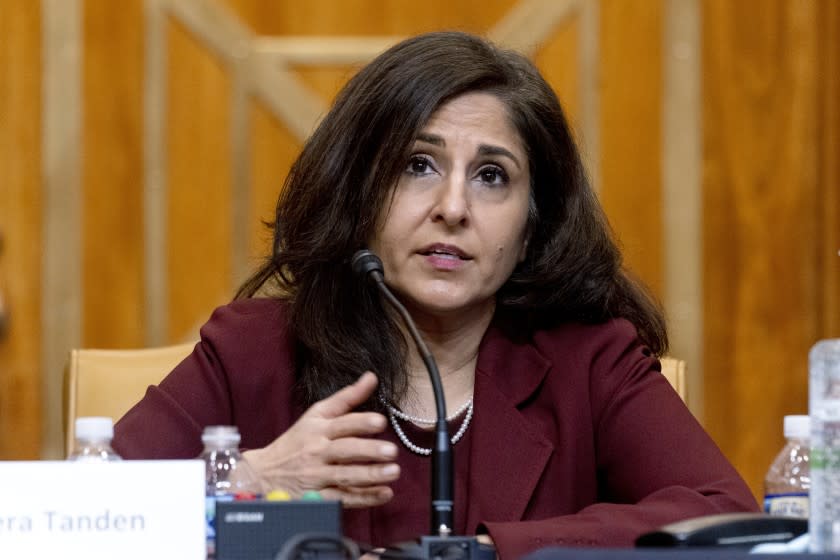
(360, 450)
(359, 497)
(348, 398)
(356, 424)
(354, 475)
(485, 539)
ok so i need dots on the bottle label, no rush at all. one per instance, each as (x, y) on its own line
(792, 505)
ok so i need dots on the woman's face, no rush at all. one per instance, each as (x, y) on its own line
(456, 225)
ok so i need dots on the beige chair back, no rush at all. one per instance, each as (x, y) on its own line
(674, 371)
(109, 382)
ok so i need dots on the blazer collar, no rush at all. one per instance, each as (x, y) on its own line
(508, 453)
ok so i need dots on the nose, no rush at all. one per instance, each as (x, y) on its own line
(452, 205)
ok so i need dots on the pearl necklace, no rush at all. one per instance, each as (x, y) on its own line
(426, 421)
(394, 413)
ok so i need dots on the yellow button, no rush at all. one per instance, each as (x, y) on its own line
(278, 495)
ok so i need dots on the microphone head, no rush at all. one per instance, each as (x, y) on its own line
(366, 262)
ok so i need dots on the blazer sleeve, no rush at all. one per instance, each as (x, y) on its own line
(655, 463)
(241, 360)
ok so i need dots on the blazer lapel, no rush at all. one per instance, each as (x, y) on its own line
(507, 454)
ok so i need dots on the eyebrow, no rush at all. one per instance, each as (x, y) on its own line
(483, 149)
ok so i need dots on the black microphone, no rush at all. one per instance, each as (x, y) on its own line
(367, 264)
(441, 543)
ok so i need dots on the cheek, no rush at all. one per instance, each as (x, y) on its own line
(403, 216)
(506, 256)
(516, 244)
(386, 231)
(391, 235)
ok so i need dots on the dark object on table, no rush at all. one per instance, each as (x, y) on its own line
(258, 529)
(742, 530)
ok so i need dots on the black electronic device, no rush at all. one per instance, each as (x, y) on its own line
(741, 530)
(260, 529)
(441, 543)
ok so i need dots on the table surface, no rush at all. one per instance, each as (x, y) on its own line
(662, 553)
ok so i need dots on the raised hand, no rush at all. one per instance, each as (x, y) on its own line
(325, 450)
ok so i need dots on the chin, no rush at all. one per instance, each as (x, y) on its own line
(445, 305)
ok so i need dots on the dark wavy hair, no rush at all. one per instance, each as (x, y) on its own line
(335, 190)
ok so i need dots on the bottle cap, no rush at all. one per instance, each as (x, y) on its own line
(221, 435)
(825, 350)
(94, 427)
(798, 426)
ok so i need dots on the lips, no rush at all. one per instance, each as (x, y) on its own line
(443, 250)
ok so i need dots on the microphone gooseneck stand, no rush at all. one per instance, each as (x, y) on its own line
(441, 543)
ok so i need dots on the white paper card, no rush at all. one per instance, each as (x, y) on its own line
(120, 510)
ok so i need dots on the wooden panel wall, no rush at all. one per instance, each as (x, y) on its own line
(631, 133)
(770, 216)
(829, 166)
(367, 17)
(112, 242)
(20, 227)
(199, 177)
(771, 208)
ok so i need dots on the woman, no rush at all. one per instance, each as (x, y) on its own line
(452, 160)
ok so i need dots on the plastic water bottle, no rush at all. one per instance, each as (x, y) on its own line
(824, 405)
(788, 480)
(228, 476)
(93, 440)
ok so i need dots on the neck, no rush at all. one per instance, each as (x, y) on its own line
(453, 340)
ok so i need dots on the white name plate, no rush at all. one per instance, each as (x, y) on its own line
(121, 510)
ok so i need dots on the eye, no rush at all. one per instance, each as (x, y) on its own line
(493, 175)
(418, 165)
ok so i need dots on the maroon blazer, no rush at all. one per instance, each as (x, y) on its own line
(576, 440)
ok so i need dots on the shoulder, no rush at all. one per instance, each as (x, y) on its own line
(571, 358)
(601, 359)
(577, 346)
(612, 340)
(251, 307)
(250, 314)
(246, 325)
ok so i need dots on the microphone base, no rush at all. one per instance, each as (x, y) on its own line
(440, 548)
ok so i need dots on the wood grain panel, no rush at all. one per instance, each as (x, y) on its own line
(20, 227)
(631, 124)
(327, 80)
(771, 175)
(829, 122)
(682, 208)
(113, 175)
(368, 17)
(761, 94)
(61, 214)
(558, 61)
(274, 152)
(199, 179)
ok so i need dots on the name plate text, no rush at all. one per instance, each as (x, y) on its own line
(126, 509)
